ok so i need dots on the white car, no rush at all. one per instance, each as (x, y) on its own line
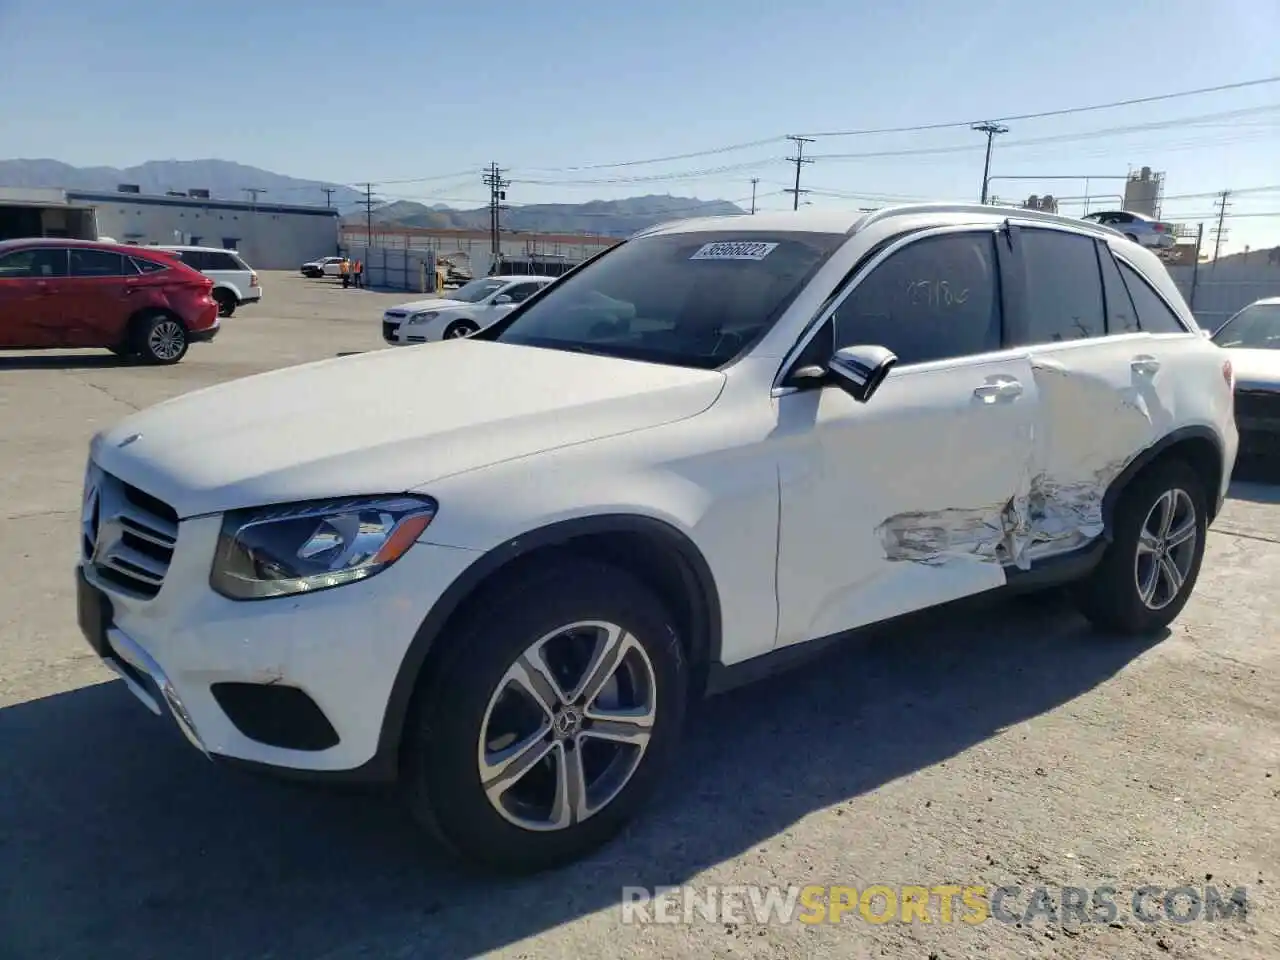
(497, 570)
(1252, 337)
(235, 283)
(323, 267)
(1137, 227)
(468, 309)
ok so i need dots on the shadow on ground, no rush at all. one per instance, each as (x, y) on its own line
(101, 360)
(118, 840)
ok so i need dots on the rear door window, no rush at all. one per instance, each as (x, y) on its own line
(1063, 287)
(222, 261)
(1121, 317)
(96, 263)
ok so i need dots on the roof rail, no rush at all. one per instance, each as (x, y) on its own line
(1020, 213)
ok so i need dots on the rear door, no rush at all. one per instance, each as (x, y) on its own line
(98, 298)
(30, 309)
(1097, 377)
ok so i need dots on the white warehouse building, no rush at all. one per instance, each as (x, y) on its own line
(269, 236)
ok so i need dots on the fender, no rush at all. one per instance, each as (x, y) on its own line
(1112, 496)
(696, 574)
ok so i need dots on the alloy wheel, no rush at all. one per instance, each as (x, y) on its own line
(166, 340)
(1166, 548)
(567, 726)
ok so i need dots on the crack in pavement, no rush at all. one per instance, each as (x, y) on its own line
(37, 513)
(103, 390)
(1227, 531)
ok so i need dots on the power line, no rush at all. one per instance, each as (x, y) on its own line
(1177, 122)
(799, 160)
(1042, 114)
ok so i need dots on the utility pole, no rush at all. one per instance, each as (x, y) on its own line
(367, 203)
(990, 129)
(799, 160)
(253, 194)
(1220, 232)
(497, 193)
(754, 181)
(328, 195)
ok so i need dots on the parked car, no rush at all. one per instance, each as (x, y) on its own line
(235, 283)
(58, 293)
(467, 310)
(324, 267)
(1253, 338)
(498, 570)
(1139, 228)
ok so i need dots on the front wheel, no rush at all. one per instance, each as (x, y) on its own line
(459, 329)
(1150, 568)
(162, 339)
(551, 718)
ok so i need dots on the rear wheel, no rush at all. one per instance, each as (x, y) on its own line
(551, 719)
(459, 329)
(1130, 236)
(162, 339)
(226, 302)
(1150, 567)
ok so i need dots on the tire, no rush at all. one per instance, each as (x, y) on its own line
(162, 339)
(226, 302)
(459, 329)
(465, 702)
(1112, 596)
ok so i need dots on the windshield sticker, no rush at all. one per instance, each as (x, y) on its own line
(734, 250)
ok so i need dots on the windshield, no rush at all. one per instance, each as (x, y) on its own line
(687, 299)
(1256, 327)
(477, 290)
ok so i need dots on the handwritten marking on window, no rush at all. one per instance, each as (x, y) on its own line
(935, 293)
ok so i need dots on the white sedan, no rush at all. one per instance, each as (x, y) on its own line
(467, 310)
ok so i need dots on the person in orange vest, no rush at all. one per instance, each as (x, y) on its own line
(360, 273)
(344, 270)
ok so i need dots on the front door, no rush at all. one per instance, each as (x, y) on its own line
(31, 298)
(908, 500)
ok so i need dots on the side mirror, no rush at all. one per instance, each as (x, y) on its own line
(501, 299)
(860, 370)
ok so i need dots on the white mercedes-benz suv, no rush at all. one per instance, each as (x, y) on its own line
(497, 570)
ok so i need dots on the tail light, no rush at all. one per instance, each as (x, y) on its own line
(253, 279)
(1160, 227)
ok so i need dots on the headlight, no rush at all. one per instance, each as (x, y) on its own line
(424, 316)
(303, 547)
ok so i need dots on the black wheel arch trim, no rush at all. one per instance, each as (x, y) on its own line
(704, 604)
(1147, 456)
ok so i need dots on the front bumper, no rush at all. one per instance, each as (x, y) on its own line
(337, 652)
(1257, 412)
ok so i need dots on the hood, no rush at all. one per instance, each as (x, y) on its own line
(387, 421)
(435, 303)
(1255, 368)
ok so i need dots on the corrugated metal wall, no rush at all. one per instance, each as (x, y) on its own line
(1223, 289)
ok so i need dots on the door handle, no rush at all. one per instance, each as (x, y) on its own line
(1144, 364)
(998, 390)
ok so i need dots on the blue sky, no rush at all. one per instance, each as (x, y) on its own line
(394, 90)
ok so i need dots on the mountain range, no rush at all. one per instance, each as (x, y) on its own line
(226, 180)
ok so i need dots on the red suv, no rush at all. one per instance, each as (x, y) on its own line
(77, 293)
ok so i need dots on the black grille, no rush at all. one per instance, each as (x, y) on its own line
(389, 331)
(1258, 404)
